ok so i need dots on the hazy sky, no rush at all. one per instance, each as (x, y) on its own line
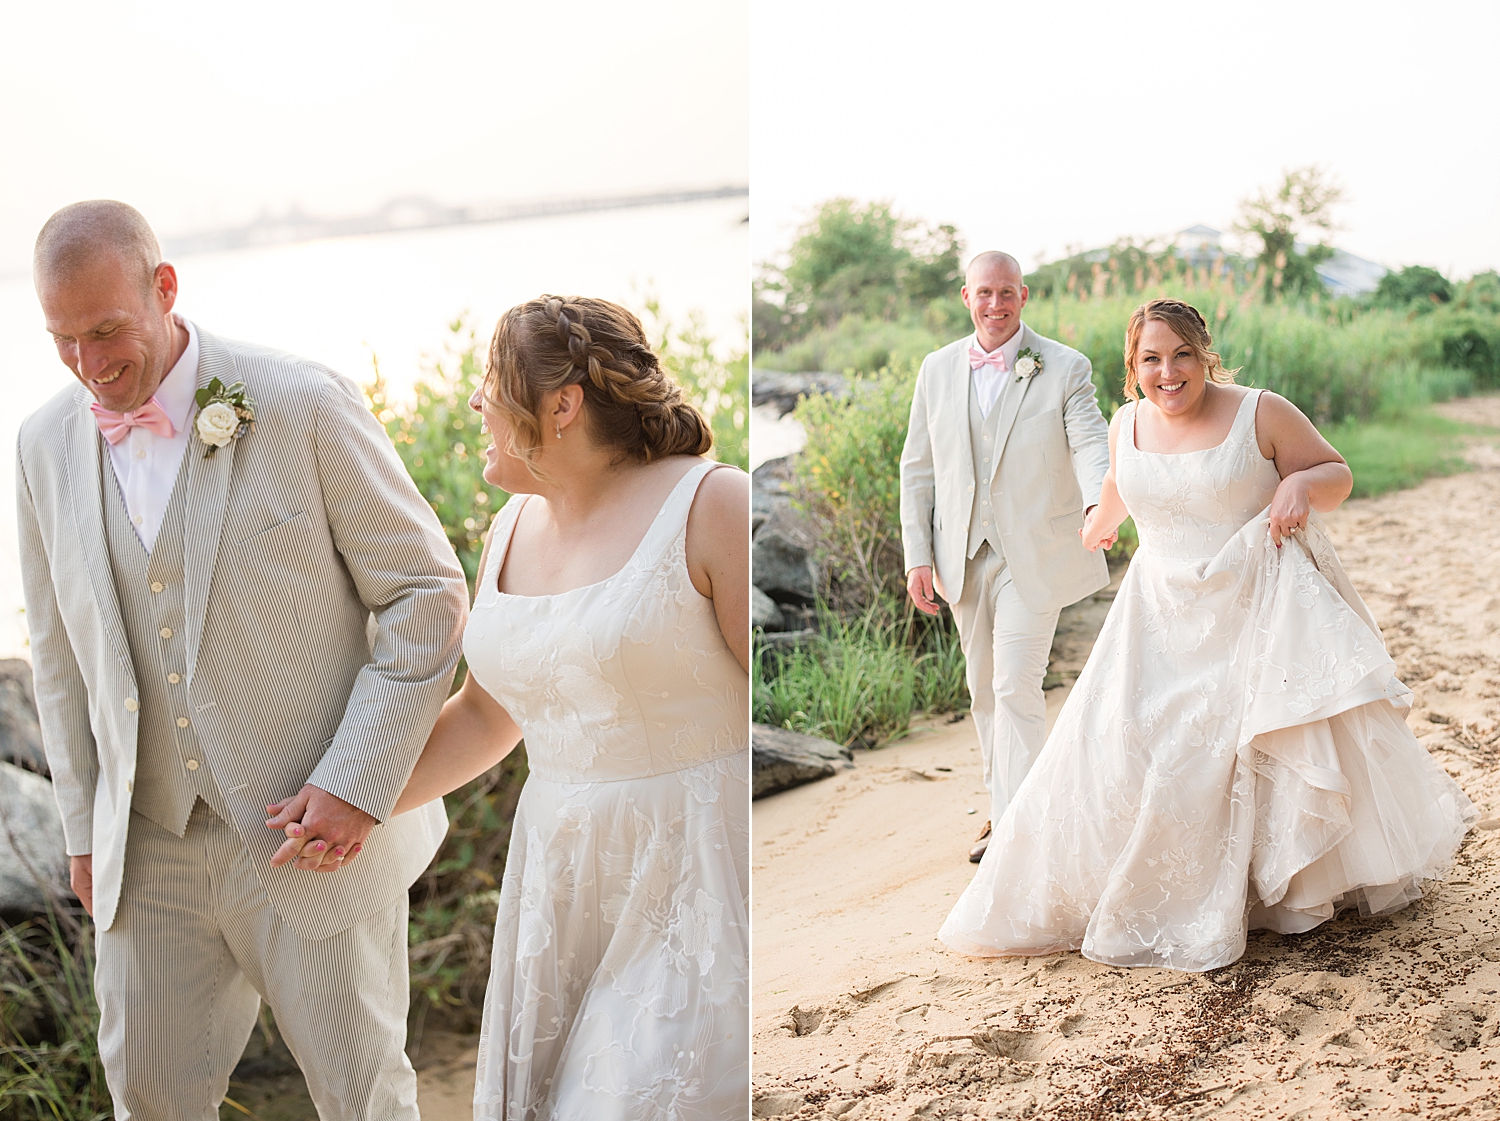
(202, 114)
(1034, 127)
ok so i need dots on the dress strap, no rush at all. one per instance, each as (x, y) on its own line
(672, 518)
(1244, 417)
(502, 528)
(1127, 428)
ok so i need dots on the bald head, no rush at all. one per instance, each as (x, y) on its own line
(78, 237)
(992, 259)
(994, 292)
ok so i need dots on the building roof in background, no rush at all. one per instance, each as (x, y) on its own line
(1343, 274)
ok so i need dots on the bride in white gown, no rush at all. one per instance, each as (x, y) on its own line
(1234, 754)
(610, 626)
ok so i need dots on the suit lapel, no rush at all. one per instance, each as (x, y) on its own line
(85, 467)
(207, 496)
(958, 406)
(1011, 404)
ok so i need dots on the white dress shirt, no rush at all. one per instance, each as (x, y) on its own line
(146, 465)
(988, 381)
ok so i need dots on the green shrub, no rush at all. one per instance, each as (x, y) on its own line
(848, 481)
(441, 442)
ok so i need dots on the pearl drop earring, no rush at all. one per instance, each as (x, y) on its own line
(559, 430)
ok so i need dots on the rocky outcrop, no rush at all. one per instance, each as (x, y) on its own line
(781, 759)
(20, 734)
(763, 611)
(781, 565)
(781, 390)
(33, 856)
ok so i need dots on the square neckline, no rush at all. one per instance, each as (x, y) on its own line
(492, 582)
(1251, 394)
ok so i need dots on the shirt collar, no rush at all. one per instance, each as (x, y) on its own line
(1010, 347)
(175, 394)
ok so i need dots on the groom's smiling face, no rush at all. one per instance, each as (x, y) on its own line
(994, 294)
(114, 332)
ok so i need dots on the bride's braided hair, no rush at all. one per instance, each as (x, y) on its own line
(631, 403)
(1188, 324)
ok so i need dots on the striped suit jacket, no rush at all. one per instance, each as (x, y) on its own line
(324, 614)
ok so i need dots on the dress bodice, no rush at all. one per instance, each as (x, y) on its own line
(622, 679)
(1189, 504)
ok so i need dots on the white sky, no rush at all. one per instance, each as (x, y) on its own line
(201, 114)
(1038, 126)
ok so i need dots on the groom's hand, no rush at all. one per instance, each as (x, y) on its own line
(81, 876)
(919, 587)
(324, 832)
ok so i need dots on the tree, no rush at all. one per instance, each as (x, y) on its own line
(1413, 284)
(853, 259)
(1302, 205)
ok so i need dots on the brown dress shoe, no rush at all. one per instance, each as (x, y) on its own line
(976, 854)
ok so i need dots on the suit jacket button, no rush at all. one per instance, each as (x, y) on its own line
(158, 587)
(192, 764)
(131, 704)
(182, 721)
(165, 632)
(174, 678)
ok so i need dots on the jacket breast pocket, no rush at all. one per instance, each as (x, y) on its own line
(1039, 422)
(293, 529)
(261, 589)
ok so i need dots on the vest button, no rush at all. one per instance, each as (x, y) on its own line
(165, 632)
(174, 678)
(192, 764)
(158, 587)
(131, 704)
(182, 721)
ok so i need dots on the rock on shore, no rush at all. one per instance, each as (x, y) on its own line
(781, 759)
(33, 856)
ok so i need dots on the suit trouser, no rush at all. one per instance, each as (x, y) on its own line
(194, 947)
(1005, 647)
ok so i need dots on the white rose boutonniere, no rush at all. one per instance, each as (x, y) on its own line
(225, 413)
(1028, 362)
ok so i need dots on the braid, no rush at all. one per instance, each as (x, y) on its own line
(632, 403)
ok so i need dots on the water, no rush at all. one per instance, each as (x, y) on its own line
(393, 295)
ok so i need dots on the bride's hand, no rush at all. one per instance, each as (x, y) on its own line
(1290, 509)
(1093, 534)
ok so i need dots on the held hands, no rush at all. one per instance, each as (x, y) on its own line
(323, 832)
(919, 587)
(1095, 534)
(1290, 508)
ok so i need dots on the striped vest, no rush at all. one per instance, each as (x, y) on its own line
(170, 769)
(983, 439)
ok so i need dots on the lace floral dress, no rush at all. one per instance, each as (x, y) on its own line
(1234, 754)
(618, 987)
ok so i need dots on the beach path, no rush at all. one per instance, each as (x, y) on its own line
(860, 1013)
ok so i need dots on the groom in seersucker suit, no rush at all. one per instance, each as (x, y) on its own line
(220, 614)
(1005, 453)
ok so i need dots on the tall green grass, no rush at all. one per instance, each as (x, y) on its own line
(1334, 360)
(1394, 453)
(49, 1022)
(861, 677)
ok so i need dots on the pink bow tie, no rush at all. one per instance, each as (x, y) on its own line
(978, 359)
(116, 426)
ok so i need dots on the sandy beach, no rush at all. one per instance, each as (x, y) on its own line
(860, 1013)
